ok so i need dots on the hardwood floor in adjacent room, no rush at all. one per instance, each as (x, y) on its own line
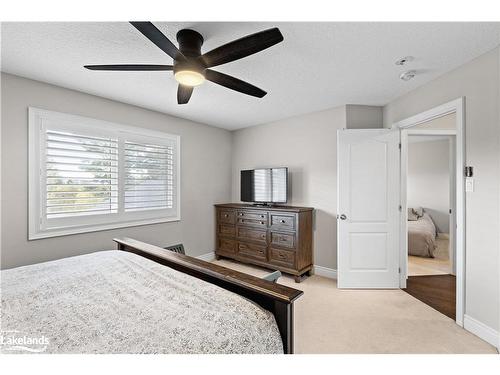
(437, 291)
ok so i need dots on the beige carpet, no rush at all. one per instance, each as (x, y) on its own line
(330, 320)
(439, 265)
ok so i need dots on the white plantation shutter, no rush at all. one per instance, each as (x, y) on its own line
(149, 173)
(81, 175)
(88, 175)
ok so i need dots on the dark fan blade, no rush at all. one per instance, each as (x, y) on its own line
(129, 67)
(234, 83)
(183, 94)
(157, 37)
(242, 47)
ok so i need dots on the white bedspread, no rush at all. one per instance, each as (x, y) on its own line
(422, 237)
(118, 302)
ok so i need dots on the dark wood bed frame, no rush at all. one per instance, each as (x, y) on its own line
(276, 298)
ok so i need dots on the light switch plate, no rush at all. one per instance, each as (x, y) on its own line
(469, 184)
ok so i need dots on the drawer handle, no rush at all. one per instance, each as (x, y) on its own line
(262, 216)
(282, 221)
(262, 222)
(281, 255)
(262, 236)
(282, 238)
(226, 215)
(242, 214)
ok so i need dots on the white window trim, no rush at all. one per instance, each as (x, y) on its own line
(35, 119)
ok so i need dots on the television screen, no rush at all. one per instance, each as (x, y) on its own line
(269, 185)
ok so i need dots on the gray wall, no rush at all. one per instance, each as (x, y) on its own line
(429, 179)
(478, 82)
(205, 174)
(363, 116)
(307, 145)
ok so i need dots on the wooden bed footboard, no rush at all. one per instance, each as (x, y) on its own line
(276, 298)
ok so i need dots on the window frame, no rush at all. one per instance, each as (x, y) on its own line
(38, 122)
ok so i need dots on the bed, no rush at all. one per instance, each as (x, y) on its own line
(422, 236)
(144, 299)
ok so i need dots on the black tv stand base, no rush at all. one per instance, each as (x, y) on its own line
(263, 205)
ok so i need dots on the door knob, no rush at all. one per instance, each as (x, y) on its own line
(343, 217)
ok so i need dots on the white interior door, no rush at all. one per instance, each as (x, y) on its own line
(368, 208)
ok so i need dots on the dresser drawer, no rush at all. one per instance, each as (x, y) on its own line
(252, 250)
(252, 234)
(282, 257)
(283, 239)
(253, 215)
(226, 245)
(227, 216)
(283, 221)
(227, 230)
(253, 223)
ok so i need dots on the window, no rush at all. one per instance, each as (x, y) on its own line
(87, 175)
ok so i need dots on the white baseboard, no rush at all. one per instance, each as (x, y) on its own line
(208, 257)
(325, 272)
(482, 331)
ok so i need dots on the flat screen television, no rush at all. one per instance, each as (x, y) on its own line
(266, 185)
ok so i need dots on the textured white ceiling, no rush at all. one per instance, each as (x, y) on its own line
(318, 66)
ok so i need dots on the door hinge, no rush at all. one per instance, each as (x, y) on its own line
(400, 208)
(400, 146)
(399, 269)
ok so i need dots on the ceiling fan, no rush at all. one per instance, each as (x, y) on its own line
(191, 68)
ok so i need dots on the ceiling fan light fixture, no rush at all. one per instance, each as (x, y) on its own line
(189, 78)
(191, 67)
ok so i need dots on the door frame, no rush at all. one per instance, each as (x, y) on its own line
(456, 106)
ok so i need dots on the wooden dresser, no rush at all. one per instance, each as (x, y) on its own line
(279, 237)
